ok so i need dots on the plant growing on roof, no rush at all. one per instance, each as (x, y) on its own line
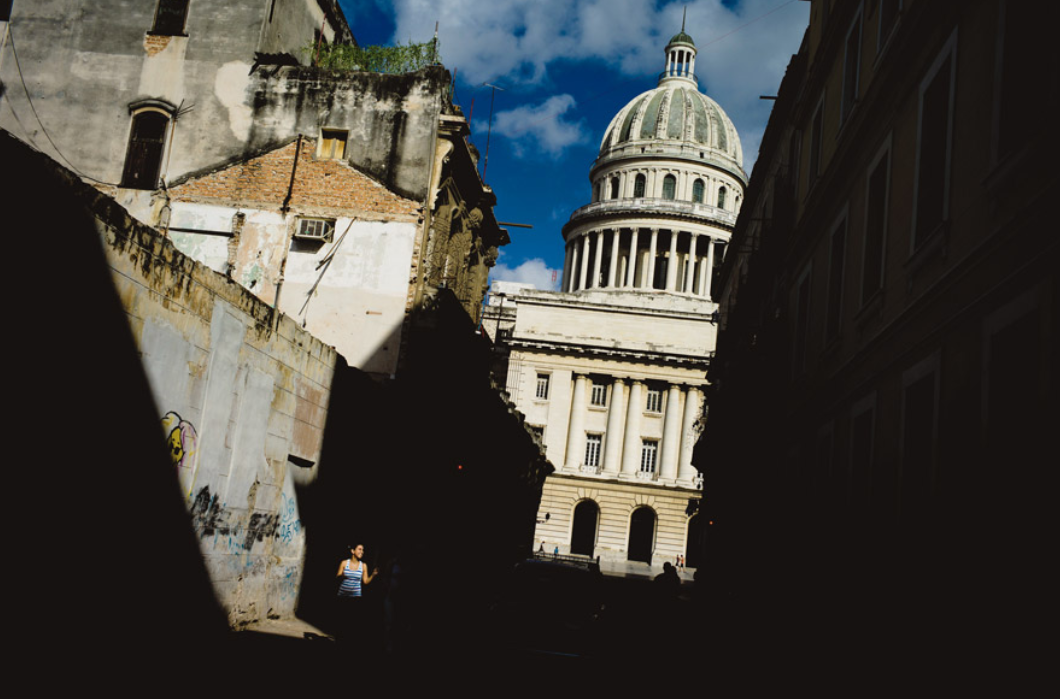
(401, 58)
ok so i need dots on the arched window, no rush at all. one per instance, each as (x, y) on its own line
(669, 187)
(697, 191)
(143, 160)
(721, 198)
(614, 188)
(638, 186)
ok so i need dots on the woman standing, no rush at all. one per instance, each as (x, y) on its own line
(354, 576)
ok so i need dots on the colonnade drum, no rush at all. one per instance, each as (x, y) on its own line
(643, 258)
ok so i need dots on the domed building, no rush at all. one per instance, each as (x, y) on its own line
(610, 370)
(666, 188)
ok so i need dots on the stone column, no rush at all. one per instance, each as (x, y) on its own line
(686, 472)
(631, 439)
(576, 425)
(710, 269)
(671, 266)
(616, 237)
(567, 259)
(631, 268)
(613, 440)
(598, 257)
(690, 267)
(649, 269)
(701, 285)
(585, 261)
(671, 441)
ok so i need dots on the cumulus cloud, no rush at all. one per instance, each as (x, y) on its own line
(743, 50)
(533, 271)
(540, 124)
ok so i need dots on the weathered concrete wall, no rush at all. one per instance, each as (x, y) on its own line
(84, 63)
(242, 403)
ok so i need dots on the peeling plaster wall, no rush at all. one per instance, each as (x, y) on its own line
(355, 303)
(242, 404)
(85, 62)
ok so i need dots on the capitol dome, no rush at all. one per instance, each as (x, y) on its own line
(675, 118)
(667, 187)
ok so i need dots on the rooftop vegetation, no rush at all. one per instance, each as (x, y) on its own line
(401, 58)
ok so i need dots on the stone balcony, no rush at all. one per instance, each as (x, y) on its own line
(650, 207)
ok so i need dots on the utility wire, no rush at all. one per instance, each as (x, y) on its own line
(25, 88)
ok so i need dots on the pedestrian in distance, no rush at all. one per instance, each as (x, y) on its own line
(353, 576)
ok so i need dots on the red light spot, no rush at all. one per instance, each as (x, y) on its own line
(459, 467)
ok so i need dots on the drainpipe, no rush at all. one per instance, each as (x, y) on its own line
(285, 207)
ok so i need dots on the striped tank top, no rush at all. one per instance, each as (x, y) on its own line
(351, 581)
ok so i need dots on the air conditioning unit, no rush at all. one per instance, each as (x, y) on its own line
(315, 229)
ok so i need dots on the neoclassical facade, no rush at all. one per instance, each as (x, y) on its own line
(610, 370)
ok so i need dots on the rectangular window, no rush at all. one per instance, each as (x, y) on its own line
(316, 229)
(875, 226)
(934, 146)
(170, 17)
(592, 450)
(851, 67)
(649, 451)
(889, 11)
(332, 144)
(599, 394)
(834, 309)
(542, 387)
(816, 140)
(654, 400)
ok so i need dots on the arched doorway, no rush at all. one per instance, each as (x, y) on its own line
(694, 541)
(641, 535)
(583, 533)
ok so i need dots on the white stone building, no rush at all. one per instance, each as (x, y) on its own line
(610, 370)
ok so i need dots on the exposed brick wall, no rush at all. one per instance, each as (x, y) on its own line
(322, 187)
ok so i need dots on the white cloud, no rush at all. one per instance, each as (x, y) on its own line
(542, 124)
(533, 271)
(743, 51)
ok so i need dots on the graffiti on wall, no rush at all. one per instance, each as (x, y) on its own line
(182, 440)
(233, 531)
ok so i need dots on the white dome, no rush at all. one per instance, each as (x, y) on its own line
(674, 119)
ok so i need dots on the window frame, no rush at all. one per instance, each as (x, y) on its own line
(163, 27)
(833, 316)
(326, 144)
(543, 379)
(816, 154)
(801, 321)
(851, 84)
(653, 395)
(669, 187)
(594, 447)
(640, 185)
(598, 388)
(649, 456)
(882, 157)
(918, 237)
(699, 190)
(129, 180)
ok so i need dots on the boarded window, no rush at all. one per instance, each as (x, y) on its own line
(143, 161)
(170, 17)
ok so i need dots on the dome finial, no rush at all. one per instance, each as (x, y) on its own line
(684, 15)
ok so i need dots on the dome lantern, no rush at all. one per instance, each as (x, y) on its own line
(680, 59)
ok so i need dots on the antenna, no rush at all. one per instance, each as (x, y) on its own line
(489, 127)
